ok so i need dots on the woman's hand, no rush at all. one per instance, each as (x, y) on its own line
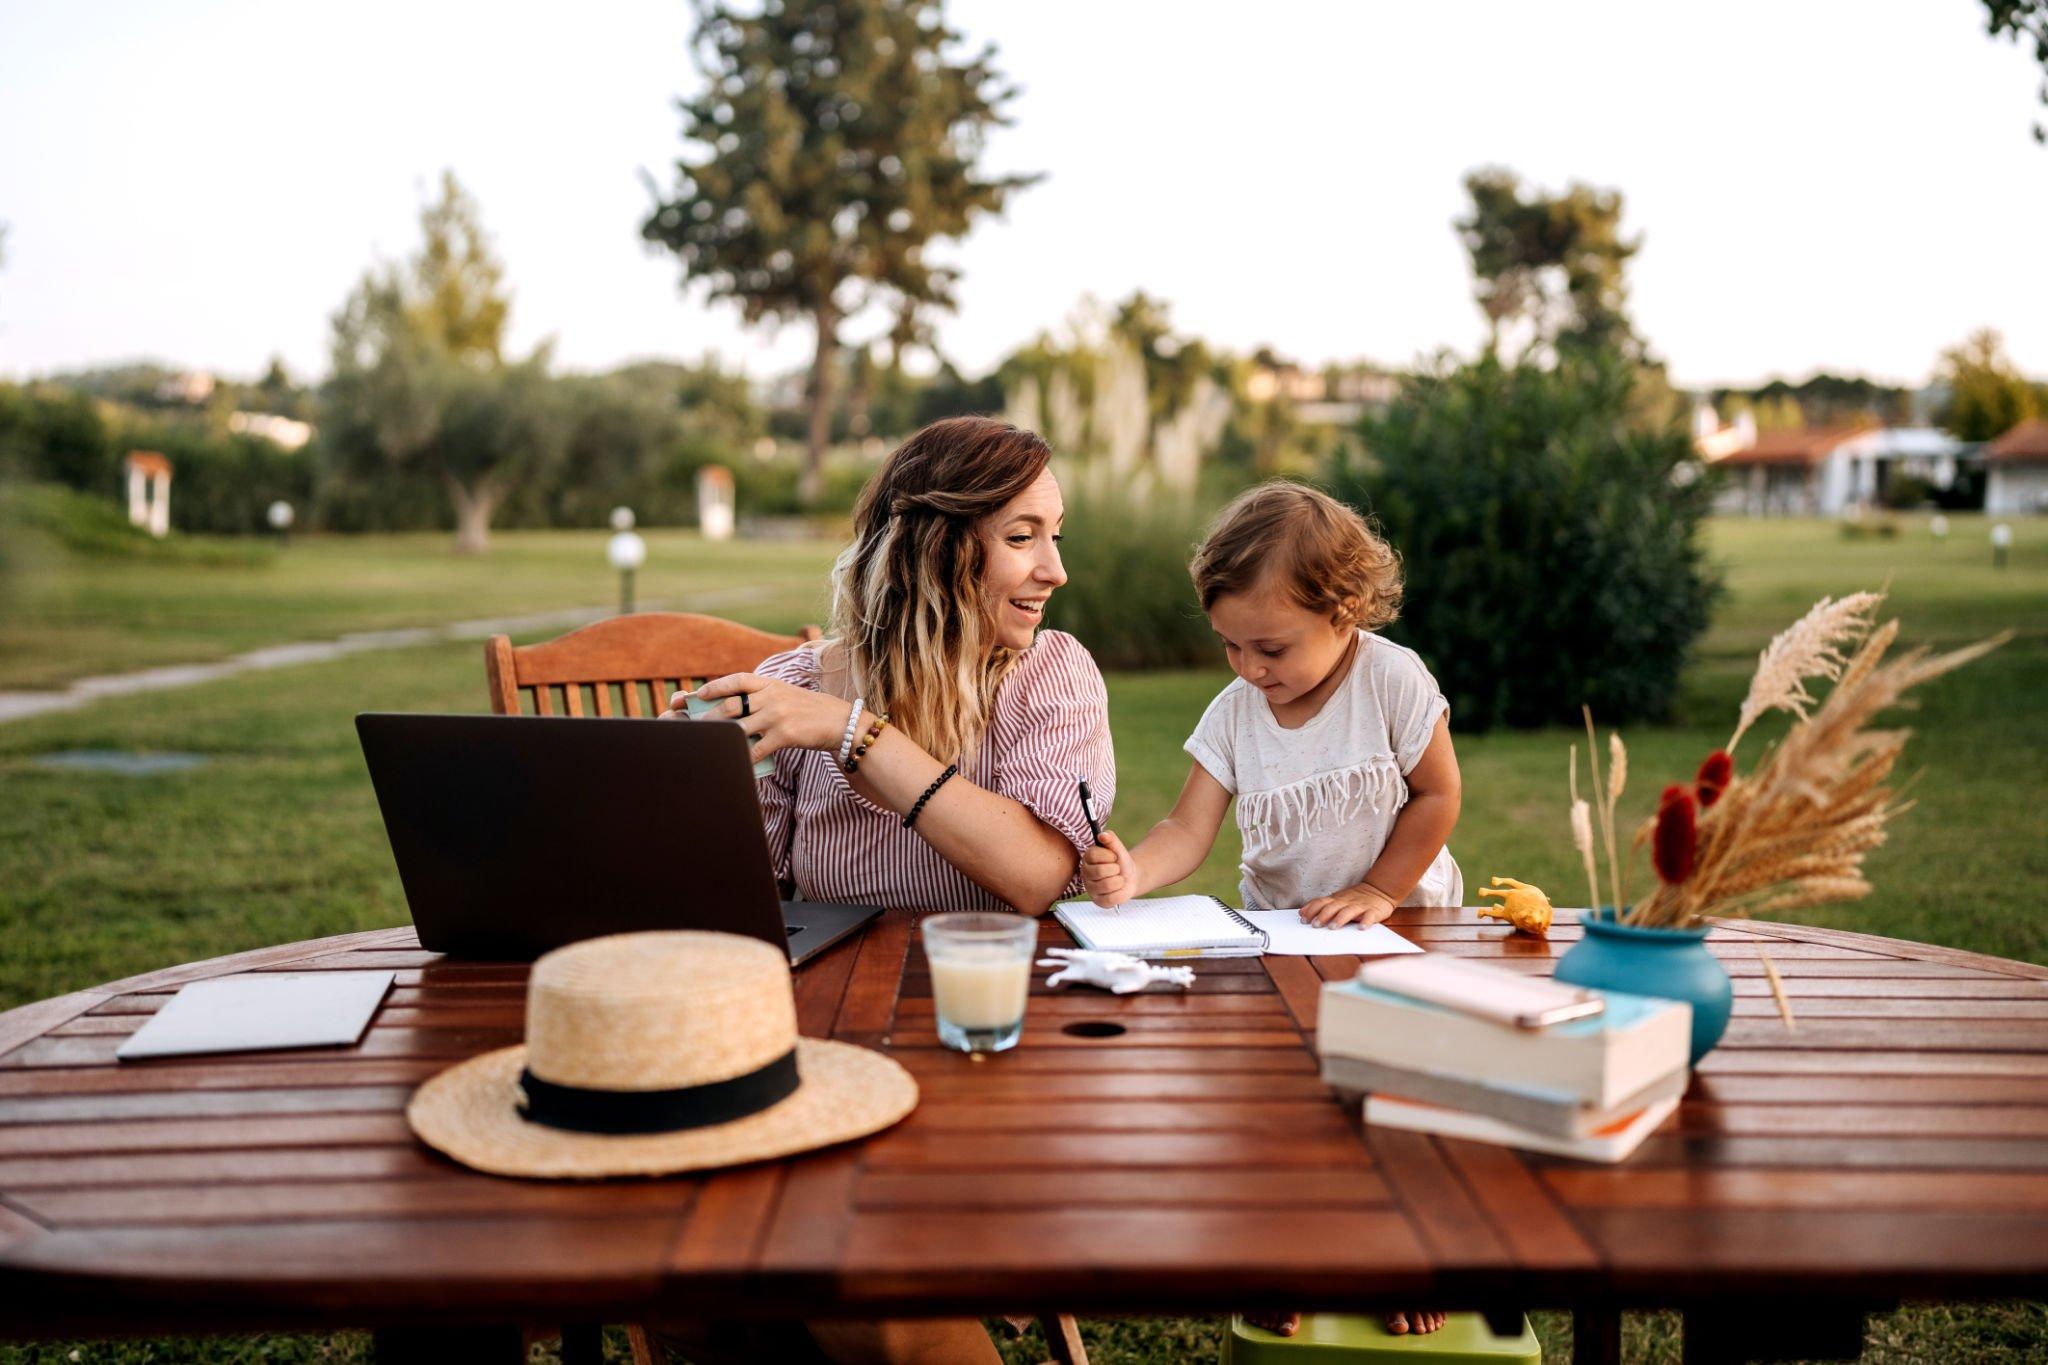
(1359, 905)
(1109, 872)
(778, 715)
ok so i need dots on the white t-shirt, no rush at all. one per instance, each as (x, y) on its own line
(1315, 805)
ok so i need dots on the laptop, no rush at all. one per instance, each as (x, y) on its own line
(518, 834)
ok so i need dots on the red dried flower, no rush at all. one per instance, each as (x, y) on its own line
(1715, 775)
(1677, 835)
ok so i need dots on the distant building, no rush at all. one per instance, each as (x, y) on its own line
(288, 432)
(149, 491)
(2016, 470)
(1820, 471)
(1716, 440)
(1284, 379)
(191, 386)
(1338, 396)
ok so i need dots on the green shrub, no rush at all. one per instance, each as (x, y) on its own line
(224, 484)
(1869, 527)
(54, 435)
(98, 527)
(768, 488)
(1128, 597)
(1902, 492)
(1551, 543)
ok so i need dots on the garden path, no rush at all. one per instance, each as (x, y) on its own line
(21, 705)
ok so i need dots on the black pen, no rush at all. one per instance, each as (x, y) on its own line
(1088, 809)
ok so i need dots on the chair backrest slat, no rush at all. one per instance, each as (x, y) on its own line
(664, 652)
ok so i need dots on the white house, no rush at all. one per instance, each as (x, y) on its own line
(2016, 470)
(1803, 473)
(1824, 471)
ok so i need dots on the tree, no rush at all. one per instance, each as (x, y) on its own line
(1552, 544)
(419, 383)
(833, 143)
(1987, 395)
(2023, 20)
(1552, 264)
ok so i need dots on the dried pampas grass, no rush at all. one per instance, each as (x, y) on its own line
(1582, 833)
(1810, 647)
(1794, 833)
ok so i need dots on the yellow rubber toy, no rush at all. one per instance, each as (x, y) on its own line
(1522, 905)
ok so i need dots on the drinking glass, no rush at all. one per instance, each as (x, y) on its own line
(981, 975)
(697, 706)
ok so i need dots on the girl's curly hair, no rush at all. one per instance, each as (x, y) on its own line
(1326, 556)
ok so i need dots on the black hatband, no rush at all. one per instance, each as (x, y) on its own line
(657, 1111)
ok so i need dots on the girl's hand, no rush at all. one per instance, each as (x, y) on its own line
(1109, 872)
(778, 715)
(1359, 905)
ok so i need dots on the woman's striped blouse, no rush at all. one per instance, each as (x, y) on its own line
(1050, 728)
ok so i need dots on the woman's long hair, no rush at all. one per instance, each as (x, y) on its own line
(909, 603)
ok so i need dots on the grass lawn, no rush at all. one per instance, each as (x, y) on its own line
(278, 838)
(69, 617)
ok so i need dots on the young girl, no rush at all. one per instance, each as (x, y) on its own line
(1333, 741)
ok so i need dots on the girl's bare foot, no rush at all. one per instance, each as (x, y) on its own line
(1419, 1323)
(1280, 1324)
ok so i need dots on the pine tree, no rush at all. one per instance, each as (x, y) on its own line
(833, 143)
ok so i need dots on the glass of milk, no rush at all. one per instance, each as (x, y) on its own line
(981, 974)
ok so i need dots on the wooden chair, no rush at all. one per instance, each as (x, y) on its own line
(627, 665)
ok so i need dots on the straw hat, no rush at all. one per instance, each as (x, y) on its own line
(652, 1053)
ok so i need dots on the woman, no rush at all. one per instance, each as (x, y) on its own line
(967, 796)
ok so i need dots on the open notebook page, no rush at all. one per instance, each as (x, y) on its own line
(1163, 923)
(1287, 936)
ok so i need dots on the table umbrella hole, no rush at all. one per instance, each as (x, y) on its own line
(1093, 1028)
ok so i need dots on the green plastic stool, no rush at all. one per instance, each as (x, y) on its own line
(1358, 1339)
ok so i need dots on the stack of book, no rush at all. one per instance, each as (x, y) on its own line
(1443, 1045)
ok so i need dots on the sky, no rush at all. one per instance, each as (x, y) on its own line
(1840, 184)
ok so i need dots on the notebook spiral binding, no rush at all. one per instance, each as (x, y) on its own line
(1264, 941)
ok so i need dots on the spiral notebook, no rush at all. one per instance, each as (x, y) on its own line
(1167, 926)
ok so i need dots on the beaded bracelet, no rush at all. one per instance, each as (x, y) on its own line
(937, 782)
(860, 750)
(852, 724)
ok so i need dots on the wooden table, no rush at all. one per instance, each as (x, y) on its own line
(1147, 1154)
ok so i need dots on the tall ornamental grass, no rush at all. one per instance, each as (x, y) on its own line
(1128, 597)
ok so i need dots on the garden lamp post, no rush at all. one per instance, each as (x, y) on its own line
(626, 551)
(2001, 542)
(280, 516)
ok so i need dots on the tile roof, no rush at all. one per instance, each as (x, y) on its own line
(1808, 445)
(2027, 441)
(148, 461)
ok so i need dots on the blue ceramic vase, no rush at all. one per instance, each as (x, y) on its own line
(1671, 964)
